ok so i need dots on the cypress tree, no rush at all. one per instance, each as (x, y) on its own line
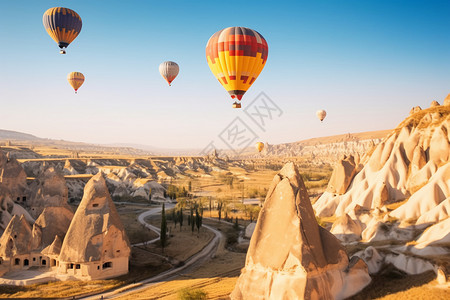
(181, 218)
(163, 235)
(174, 217)
(198, 220)
(192, 221)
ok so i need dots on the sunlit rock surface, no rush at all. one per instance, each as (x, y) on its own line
(290, 256)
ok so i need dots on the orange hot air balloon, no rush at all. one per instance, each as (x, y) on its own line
(236, 56)
(76, 80)
(63, 25)
(259, 146)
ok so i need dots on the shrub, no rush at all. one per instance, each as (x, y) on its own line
(192, 294)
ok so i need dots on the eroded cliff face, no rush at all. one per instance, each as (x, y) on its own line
(290, 256)
(401, 196)
(404, 165)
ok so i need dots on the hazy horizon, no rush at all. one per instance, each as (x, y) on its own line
(366, 63)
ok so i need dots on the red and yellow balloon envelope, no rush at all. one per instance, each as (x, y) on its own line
(63, 25)
(236, 56)
(76, 80)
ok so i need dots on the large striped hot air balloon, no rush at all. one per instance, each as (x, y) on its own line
(76, 80)
(169, 70)
(236, 56)
(63, 25)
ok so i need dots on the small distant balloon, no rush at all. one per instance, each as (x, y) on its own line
(169, 70)
(259, 146)
(76, 80)
(63, 25)
(236, 57)
(321, 114)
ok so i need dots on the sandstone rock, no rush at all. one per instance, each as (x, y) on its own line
(414, 110)
(409, 264)
(441, 276)
(346, 229)
(440, 144)
(373, 259)
(436, 214)
(249, 230)
(408, 162)
(13, 178)
(69, 169)
(157, 190)
(429, 196)
(447, 100)
(419, 178)
(438, 234)
(381, 196)
(434, 103)
(419, 159)
(53, 221)
(96, 237)
(290, 256)
(17, 238)
(342, 175)
(54, 248)
(8, 209)
(47, 190)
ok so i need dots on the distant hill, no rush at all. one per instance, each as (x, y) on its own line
(329, 147)
(19, 144)
(17, 136)
(322, 149)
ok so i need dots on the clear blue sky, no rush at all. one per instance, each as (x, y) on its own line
(366, 62)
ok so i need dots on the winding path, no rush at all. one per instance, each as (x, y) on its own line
(194, 261)
(141, 219)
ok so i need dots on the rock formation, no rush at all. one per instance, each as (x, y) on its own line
(17, 238)
(54, 249)
(96, 243)
(411, 162)
(346, 229)
(8, 209)
(47, 190)
(15, 244)
(403, 187)
(249, 230)
(434, 103)
(291, 256)
(343, 173)
(447, 100)
(53, 221)
(13, 178)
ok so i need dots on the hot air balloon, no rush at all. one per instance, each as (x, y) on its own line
(63, 25)
(321, 114)
(236, 56)
(259, 146)
(169, 70)
(75, 79)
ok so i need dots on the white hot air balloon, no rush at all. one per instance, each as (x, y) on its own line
(169, 70)
(321, 114)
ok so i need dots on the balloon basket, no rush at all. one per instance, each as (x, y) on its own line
(62, 51)
(236, 105)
